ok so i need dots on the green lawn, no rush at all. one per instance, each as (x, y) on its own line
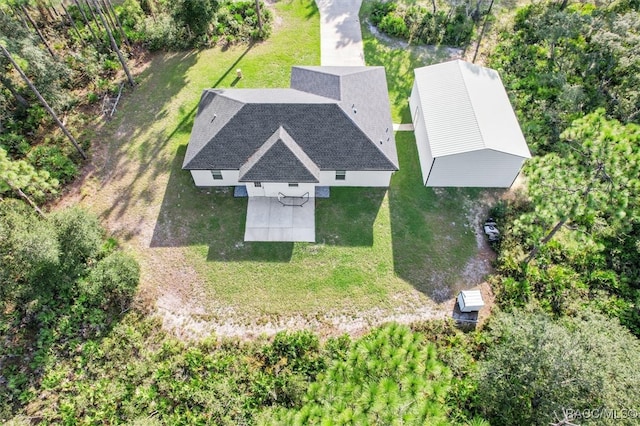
(373, 245)
(375, 248)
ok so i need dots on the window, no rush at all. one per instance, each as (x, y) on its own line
(341, 175)
(293, 185)
(217, 174)
(257, 184)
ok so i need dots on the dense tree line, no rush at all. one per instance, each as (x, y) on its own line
(573, 238)
(61, 283)
(58, 57)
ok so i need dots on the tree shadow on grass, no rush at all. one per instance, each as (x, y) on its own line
(431, 237)
(190, 216)
(149, 159)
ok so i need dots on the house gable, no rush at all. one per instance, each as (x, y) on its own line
(279, 159)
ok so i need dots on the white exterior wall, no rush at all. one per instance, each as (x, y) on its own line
(420, 132)
(485, 168)
(271, 189)
(414, 101)
(359, 178)
(205, 178)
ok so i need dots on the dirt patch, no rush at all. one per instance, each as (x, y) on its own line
(479, 266)
(185, 318)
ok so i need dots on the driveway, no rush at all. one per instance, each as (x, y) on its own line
(340, 35)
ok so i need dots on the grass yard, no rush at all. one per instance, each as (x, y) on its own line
(374, 247)
(377, 251)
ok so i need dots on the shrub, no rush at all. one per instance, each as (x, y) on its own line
(15, 144)
(394, 25)
(52, 159)
(381, 9)
(536, 367)
(80, 237)
(113, 280)
(417, 24)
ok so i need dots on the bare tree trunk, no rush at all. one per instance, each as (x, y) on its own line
(18, 97)
(107, 15)
(27, 199)
(24, 10)
(86, 20)
(484, 28)
(93, 14)
(259, 17)
(114, 46)
(54, 10)
(73, 23)
(43, 102)
(534, 252)
(45, 7)
(117, 20)
(600, 170)
(17, 13)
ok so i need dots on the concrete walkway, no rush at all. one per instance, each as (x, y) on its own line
(340, 35)
(404, 127)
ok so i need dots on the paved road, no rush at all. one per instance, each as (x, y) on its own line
(340, 35)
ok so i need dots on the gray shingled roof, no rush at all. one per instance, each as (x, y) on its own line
(291, 162)
(333, 118)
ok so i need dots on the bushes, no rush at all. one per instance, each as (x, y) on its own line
(417, 24)
(188, 24)
(60, 284)
(113, 281)
(391, 375)
(52, 159)
(536, 367)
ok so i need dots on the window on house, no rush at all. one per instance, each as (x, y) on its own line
(341, 175)
(257, 184)
(217, 174)
(293, 185)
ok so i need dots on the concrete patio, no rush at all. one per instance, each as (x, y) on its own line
(269, 220)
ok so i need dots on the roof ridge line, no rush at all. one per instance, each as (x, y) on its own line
(466, 92)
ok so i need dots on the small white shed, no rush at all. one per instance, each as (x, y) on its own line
(470, 301)
(466, 131)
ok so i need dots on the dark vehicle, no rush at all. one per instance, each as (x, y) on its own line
(491, 229)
